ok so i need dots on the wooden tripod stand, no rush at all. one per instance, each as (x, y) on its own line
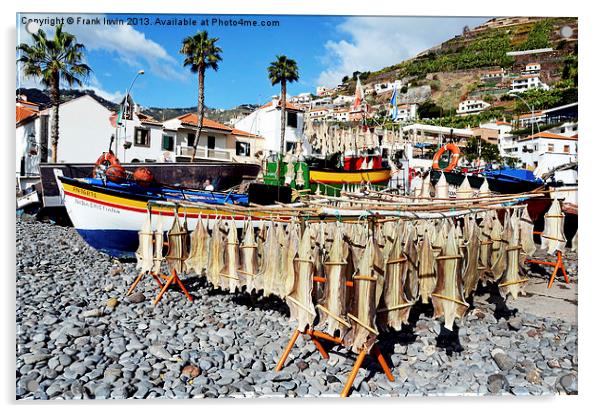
(315, 335)
(558, 265)
(160, 278)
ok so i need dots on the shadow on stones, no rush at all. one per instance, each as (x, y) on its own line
(255, 300)
(449, 340)
(501, 308)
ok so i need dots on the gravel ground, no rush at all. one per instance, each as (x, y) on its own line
(78, 337)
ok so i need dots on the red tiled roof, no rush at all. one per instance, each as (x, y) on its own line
(192, 119)
(531, 64)
(502, 122)
(246, 134)
(24, 113)
(289, 106)
(549, 135)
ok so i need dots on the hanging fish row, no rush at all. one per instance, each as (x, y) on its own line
(371, 274)
(328, 138)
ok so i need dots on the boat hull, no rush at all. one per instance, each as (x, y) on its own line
(223, 175)
(340, 177)
(109, 221)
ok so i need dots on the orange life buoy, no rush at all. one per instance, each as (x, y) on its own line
(454, 158)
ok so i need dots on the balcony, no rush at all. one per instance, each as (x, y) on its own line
(204, 153)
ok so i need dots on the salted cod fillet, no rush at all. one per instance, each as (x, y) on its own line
(216, 254)
(470, 274)
(198, 259)
(526, 233)
(229, 272)
(448, 297)
(271, 264)
(332, 307)
(367, 289)
(426, 269)
(552, 238)
(511, 282)
(177, 238)
(300, 301)
(248, 258)
(144, 253)
(158, 246)
(394, 308)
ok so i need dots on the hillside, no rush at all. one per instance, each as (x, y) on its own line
(454, 68)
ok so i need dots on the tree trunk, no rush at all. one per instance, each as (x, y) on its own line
(282, 125)
(200, 110)
(55, 101)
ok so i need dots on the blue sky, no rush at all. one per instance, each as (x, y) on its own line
(325, 47)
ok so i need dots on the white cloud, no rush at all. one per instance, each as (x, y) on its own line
(371, 43)
(128, 45)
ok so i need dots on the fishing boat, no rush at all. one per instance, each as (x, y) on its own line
(223, 175)
(109, 215)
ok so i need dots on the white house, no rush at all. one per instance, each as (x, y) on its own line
(384, 87)
(546, 150)
(342, 100)
(532, 69)
(526, 82)
(493, 75)
(407, 112)
(265, 121)
(324, 91)
(341, 115)
(324, 101)
(527, 119)
(28, 148)
(301, 98)
(320, 113)
(84, 130)
(471, 106)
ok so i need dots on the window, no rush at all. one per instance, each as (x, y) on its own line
(190, 139)
(243, 149)
(167, 143)
(566, 148)
(291, 119)
(142, 137)
(210, 142)
(550, 147)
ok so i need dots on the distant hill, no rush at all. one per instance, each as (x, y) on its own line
(42, 98)
(453, 69)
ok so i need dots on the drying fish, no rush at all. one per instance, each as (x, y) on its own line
(198, 259)
(411, 253)
(271, 264)
(177, 245)
(229, 273)
(485, 248)
(439, 235)
(526, 233)
(300, 301)
(248, 258)
(332, 308)
(470, 274)
(574, 242)
(484, 190)
(511, 282)
(498, 249)
(448, 296)
(367, 289)
(158, 246)
(291, 248)
(216, 254)
(426, 269)
(552, 238)
(395, 306)
(465, 190)
(144, 253)
(442, 187)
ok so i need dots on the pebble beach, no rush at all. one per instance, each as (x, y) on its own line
(80, 337)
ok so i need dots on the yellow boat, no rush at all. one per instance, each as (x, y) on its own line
(373, 176)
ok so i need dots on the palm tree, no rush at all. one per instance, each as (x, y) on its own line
(53, 61)
(282, 70)
(201, 53)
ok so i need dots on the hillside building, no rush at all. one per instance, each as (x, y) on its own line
(471, 107)
(527, 82)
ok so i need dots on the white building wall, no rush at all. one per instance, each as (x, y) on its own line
(84, 130)
(23, 147)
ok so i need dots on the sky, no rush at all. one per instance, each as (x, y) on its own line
(326, 48)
